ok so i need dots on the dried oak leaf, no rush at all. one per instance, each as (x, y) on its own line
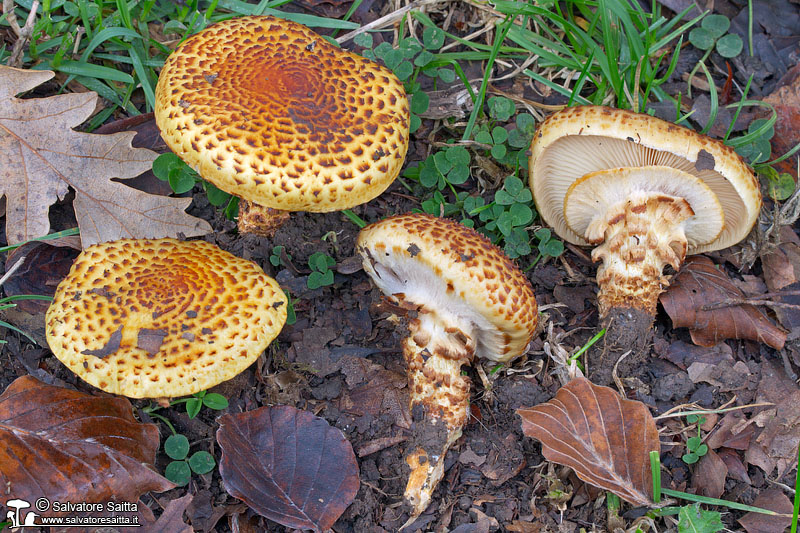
(41, 156)
(700, 283)
(69, 446)
(604, 438)
(288, 465)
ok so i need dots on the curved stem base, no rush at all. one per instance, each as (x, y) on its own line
(439, 401)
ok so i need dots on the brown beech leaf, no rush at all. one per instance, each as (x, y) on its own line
(774, 500)
(41, 156)
(605, 439)
(700, 283)
(171, 520)
(288, 465)
(786, 102)
(44, 267)
(69, 446)
(709, 475)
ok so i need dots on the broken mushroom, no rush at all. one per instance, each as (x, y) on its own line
(162, 318)
(464, 299)
(645, 193)
(271, 112)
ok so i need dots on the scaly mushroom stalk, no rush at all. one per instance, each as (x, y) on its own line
(636, 239)
(259, 220)
(437, 347)
(465, 300)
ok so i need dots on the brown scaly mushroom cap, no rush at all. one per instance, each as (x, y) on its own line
(162, 318)
(466, 299)
(644, 191)
(269, 111)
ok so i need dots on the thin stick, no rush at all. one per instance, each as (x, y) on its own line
(386, 20)
(23, 34)
(732, 302)
(712, 411)
(11, 270)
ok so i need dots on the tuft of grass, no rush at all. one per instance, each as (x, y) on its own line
(616, 45)
(116, 48)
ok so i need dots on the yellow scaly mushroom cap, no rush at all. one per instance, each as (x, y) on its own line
(269, 111)
(448, 268)
(162, 318)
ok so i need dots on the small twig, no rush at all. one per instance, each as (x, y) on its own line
(671, 414)
(730, 302)
(379, 444)
(373, 487)
(11, 17)
(615, 376)
(11, 270)
(387, 20)
(463, 142)
(23, 34)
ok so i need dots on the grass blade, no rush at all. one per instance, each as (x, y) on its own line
(796, 509)
(90, 70)
(715, 501)
(499, 37)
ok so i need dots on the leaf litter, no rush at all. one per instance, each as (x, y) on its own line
(41, 157)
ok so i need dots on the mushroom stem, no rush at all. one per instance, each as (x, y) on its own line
(260, 220)
(435, 350)
(639, 236)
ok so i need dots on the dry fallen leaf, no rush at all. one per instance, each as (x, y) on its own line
(605, 439)
(709, 475)
(288, 465)
(774, 500)
(700, 283)
(171, 520)
(786, 101)
(41, 156)
(69, 446)
(776, 445)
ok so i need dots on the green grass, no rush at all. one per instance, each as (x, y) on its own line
(110, 47)
(617, 48)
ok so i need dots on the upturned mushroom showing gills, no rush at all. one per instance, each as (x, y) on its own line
(645, 193)
(465, 299)
(162, 318)
(271, 112)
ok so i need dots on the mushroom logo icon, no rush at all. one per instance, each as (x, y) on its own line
(13, 515)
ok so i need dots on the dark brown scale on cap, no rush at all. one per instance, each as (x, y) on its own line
(166, 293)
(271, 93)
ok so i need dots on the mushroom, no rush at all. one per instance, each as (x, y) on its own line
(162, 318)
(271, 112)
(464, 298)
(645, 193)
